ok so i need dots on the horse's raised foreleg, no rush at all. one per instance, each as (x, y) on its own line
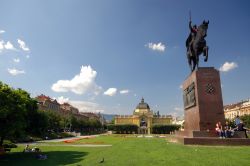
(196, 59)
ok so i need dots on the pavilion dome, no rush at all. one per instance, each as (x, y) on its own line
(142, 105)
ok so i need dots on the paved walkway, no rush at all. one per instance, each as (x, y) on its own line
(65, 145)
(69, 138)
(43, 142)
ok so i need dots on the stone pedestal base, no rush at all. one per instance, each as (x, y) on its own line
(209, 138)
(203, 109)
(193, 134)
(203, 100)
(212, 141)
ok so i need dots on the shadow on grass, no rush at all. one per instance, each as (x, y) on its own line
(54, 158)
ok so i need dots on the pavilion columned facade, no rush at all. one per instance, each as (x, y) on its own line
(144, 118)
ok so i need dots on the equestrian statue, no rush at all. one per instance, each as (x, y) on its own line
(196, 44)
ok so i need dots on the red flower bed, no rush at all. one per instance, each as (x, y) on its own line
(71, 140)
(77, 139)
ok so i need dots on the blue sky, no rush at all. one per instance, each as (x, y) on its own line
(77, 50)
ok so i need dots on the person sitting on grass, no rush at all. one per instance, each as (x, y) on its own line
(219, 130)
(27, 148)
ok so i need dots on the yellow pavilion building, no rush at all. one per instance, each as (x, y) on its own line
(144, 118)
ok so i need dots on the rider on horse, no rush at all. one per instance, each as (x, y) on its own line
(196, 44)
(191, 37)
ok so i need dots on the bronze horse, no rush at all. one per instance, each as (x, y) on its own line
(197, 46)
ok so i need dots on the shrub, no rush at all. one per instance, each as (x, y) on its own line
(164, 129)
(65, 135)
(123, 128)
(24, 138)
(9, 144)
(34, 138)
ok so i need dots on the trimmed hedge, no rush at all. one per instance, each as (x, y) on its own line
(9, 144)
(123, 128)
(164, 129)
(131, 128)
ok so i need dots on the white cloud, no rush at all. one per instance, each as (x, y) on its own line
(9, 46)
(178, 109)
(83, 106)
(2, 31)
(1, 45)
(110, 92)
(15, 72)
(80, 84)
(156, 47)
(62, 100)
(27, 56)
(227, 66)
(180, 86)
(22, 45)
(16, 60)
(125, 91)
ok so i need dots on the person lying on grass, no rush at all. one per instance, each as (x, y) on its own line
(28, 149)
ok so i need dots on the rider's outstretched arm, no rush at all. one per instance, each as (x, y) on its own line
(190, 25)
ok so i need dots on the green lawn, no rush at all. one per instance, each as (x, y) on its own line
(132, 152)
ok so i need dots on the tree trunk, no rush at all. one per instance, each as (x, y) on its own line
(1, 141)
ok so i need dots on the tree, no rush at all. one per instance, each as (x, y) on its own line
(246, 120)
(112, 121)
(14, 104)
(53, 121)
(37, 123)
(65, 122)
(230, 123)
(74, 123)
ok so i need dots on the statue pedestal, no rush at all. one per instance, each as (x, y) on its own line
(202, 97)
(203, 109)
